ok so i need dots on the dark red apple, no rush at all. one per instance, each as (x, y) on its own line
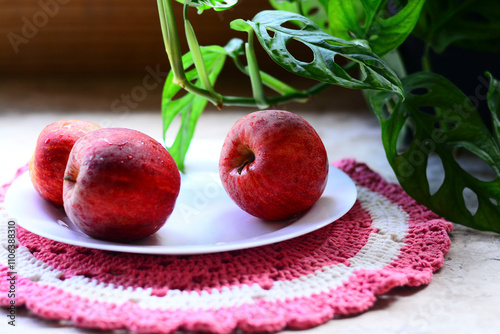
(273, 164)
(120, 185)
(51, 154)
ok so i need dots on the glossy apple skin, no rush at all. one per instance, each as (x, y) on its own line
(120, 185)
(273, 164)
(49, 160)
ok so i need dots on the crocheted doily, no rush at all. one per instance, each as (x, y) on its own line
(386, 240)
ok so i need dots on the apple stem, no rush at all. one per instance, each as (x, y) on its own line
(68, 178)
(246, 162)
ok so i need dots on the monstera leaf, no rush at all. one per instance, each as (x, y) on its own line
(437, 120)
(274, 34)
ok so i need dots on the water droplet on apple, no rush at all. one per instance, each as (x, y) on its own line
(47, 141)
(130, 157)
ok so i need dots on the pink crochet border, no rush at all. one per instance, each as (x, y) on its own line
(425, 245)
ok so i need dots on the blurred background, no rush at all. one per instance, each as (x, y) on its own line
(83, 55)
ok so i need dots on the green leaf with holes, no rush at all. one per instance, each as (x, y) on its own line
(274, 35)
(189, 106)
(470, 24)
(385, 25)
(437, 119)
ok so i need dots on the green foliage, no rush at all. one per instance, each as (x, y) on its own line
(373, 73)
(190, 106)
(372, 20)
(354, 44)
(471, 24)
(314, 10)
(273, 34)
(494, 105)
(436, 118)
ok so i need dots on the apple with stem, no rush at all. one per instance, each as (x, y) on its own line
(120, 185)
(273, 164)
(47, 165)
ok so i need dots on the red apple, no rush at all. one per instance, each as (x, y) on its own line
(273, 164)
(120, 185)
(51, 155)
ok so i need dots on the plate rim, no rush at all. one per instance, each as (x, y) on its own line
(190, 249)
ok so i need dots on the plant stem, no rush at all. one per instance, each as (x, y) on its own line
(395, 62)
(163, 23)
(170, 37)
(276, 84)
(297, 96)
(194, 47)
(253, 69)
(349, 66)
(268, 80)
(426, 60)
(173, 49)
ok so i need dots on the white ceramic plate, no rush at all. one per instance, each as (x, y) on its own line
(205, 219)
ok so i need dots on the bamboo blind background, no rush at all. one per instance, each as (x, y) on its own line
(86, 53)
(96, 36)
